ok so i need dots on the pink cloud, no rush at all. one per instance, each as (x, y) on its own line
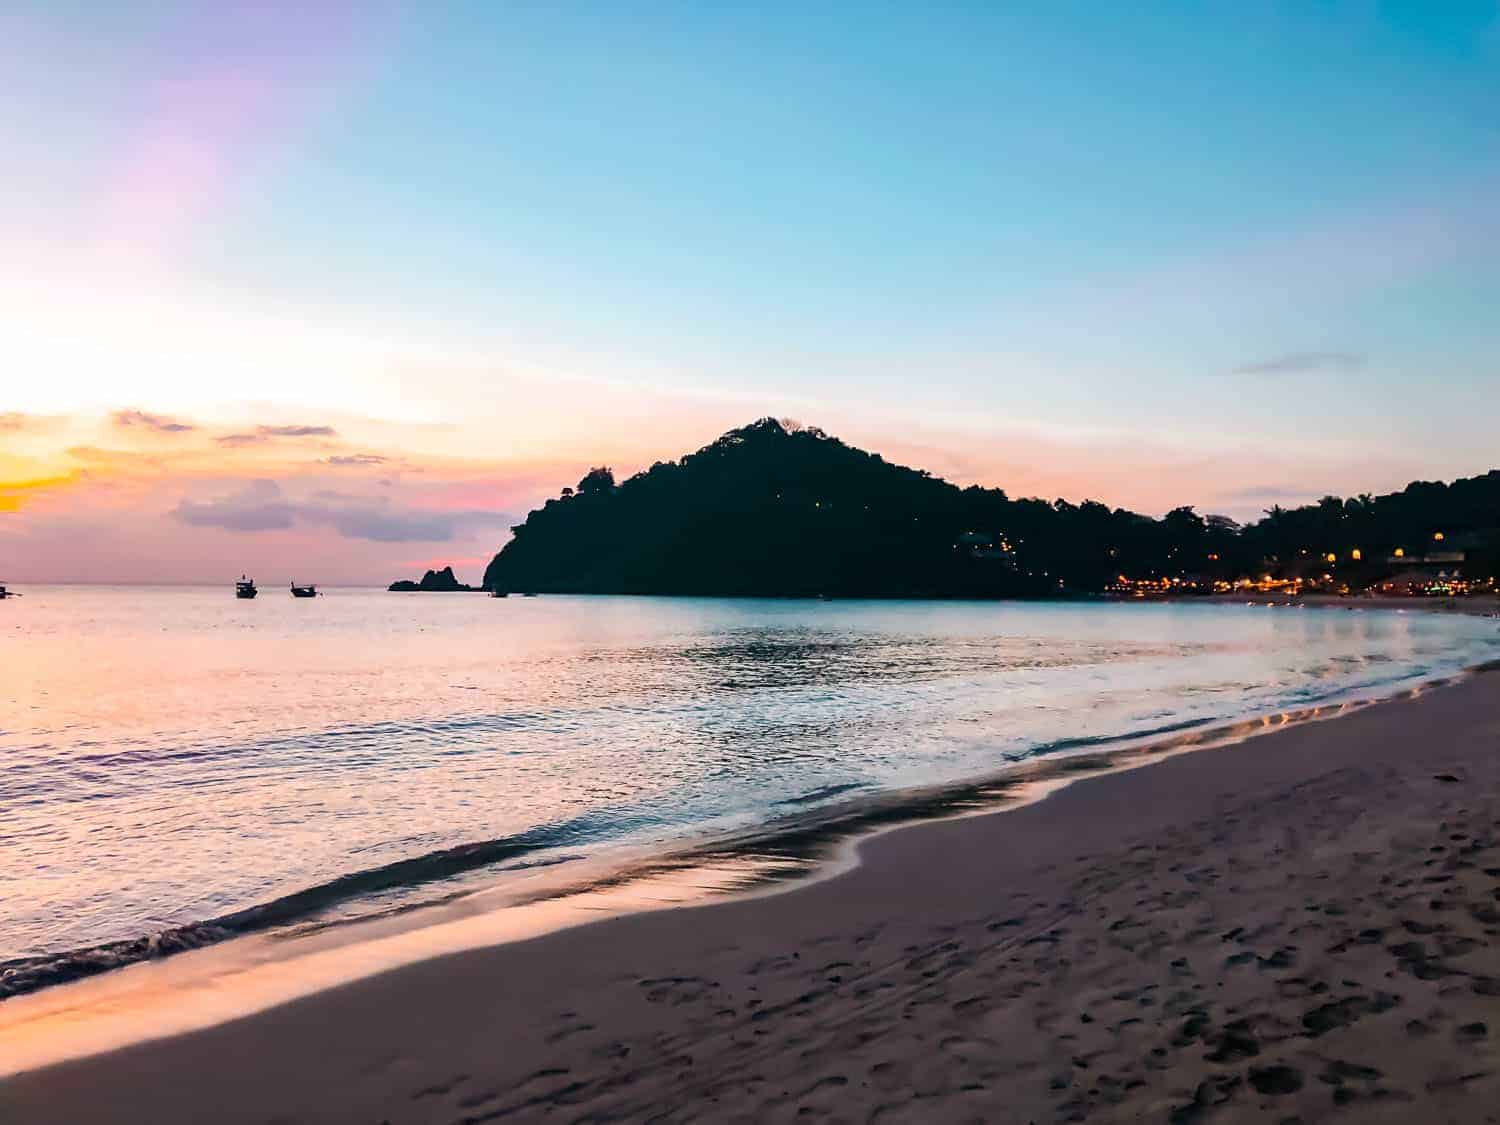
(156, 423)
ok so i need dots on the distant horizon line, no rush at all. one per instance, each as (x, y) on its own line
(199, 582)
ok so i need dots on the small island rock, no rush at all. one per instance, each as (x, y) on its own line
(433, 581)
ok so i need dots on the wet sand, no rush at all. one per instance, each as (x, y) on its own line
(1303, 926)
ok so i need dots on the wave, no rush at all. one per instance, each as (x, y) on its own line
(823, 793)
(27, 974)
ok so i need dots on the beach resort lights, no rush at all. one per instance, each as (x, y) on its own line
(1356, 554)
(1401, 552)
(1331, 557)
(1437, 536)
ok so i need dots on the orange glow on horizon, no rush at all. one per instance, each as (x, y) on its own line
(14, 494)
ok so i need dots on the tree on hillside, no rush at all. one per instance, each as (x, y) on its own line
(597, 480)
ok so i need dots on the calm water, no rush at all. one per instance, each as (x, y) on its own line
(169, 756)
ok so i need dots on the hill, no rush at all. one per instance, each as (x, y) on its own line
(777, 509)
(781, 510)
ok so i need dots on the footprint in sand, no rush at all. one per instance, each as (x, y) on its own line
(1275, 1080)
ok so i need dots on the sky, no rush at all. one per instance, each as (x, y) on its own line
(339, 291)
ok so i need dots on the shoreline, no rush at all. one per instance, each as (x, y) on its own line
(1471, 605)
(816, 894)
(1475, 605)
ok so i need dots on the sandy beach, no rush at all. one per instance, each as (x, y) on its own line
(1302, 927)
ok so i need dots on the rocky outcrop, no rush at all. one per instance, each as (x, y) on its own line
(434, 581)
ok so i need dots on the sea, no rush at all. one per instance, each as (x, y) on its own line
(178, 767)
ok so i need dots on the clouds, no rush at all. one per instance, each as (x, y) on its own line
(383, 524)
(259, 506)
(157, 423)
(1303, 363)
(263, 434)
(147, 422)
(262, 505)
(295, 431)
(125, 494)
(354, 460)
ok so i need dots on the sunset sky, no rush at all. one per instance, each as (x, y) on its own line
(340, 291)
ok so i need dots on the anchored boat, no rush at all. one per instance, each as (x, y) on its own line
(245, 588)
(304, 591)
